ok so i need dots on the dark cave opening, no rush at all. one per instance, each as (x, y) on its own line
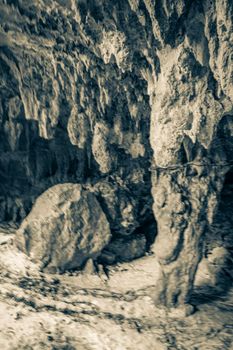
(228, 179)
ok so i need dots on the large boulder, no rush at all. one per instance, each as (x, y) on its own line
(65, 227)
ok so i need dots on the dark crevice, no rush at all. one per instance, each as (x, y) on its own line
(219, 236)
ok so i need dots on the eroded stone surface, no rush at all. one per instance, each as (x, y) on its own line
(65, 228)
(90, 89)
(85, 311)
(190, 162)
(73, 106)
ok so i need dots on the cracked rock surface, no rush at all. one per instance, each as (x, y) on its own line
(99, 94)
(127, 104)
(64, 229)
(114, 308)
(85, 311)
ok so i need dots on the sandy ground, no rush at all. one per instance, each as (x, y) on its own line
(100, 312)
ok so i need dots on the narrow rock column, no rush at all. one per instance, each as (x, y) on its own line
(185, 182)
(183, 205)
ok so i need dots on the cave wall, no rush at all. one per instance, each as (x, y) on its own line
(114, 94)
(75, 106)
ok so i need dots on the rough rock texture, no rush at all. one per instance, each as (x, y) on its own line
(101, 93)
(74, 107)
(193, 96)
(76, 311)
(65, 227)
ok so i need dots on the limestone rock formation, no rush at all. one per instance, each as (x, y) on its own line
(134, 100)
(190, 104)
(65, 227)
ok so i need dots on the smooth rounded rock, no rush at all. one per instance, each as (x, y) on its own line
(64, 229)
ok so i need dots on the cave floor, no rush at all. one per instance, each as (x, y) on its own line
(84, 311)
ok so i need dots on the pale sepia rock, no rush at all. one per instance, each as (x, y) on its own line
(133, 100)
(65, 227)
